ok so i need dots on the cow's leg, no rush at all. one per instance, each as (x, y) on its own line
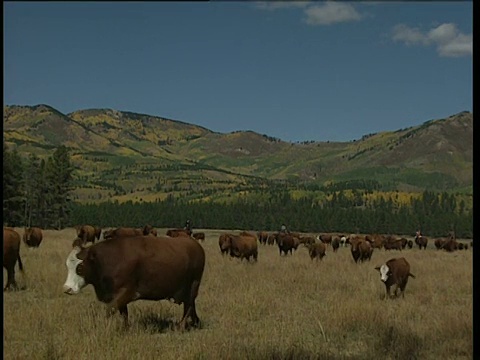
(120, 301)
(11, 283)
(124, 313)
(387, 296)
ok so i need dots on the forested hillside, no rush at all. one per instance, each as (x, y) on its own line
(62, 170)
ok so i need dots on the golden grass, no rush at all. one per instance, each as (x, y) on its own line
(278, 308)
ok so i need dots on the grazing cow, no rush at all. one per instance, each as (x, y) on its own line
(450, 245)
(393, 244)
(262, 237)
(316, 250)
(179, 232)
(306, 240)
(460, 246)
(395, 272)
(361, 249)
(200, 236)
(11, 254)
(32, 237)
(410, 244)
(439, 243)
(335, 243)
(126, 269)
(240, 246)
(286, 243)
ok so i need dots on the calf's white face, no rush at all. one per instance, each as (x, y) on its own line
(384, 272)
(74, 282)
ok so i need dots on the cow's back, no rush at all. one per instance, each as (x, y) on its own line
(161, 266)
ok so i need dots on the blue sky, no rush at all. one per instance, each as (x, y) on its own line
(298, 71)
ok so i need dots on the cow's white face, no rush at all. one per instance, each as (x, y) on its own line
(384, 272)
(74, 282)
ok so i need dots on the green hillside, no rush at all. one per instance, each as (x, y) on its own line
(127, 156)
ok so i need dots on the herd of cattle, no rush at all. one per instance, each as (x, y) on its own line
(180, 258)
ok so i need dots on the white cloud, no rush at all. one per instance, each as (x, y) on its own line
(450, 42)
(274, 5)
(331, 12)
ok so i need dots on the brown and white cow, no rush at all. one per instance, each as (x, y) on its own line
(395, 272)
(126, 269)
(32, 237)
(11, 254)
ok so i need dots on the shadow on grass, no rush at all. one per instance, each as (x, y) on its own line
(155, 323)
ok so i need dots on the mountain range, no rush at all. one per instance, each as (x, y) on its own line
(122, 156)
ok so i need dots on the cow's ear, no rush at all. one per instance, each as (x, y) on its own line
(377, 268)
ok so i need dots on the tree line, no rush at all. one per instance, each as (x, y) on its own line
(38, 193)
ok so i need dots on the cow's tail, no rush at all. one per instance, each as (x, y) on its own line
(410, 274)
(20, 265)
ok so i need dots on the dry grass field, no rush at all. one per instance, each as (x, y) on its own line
(278, 308)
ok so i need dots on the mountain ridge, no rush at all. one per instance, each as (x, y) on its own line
(119, 149)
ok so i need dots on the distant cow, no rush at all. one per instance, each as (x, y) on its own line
(240, 246)
(410, 244)
(450, 245)
(179, 232)
(199, 236)
(129, 232)
(395, 272)
(376, 240)
(316, 250)
(221, 239)
(32, 237)
(262, 237)
(271, 239)
(393, 244)
(306, 240)
(11, 254)
(335, 243)
(439, 242)
(126, 269)
(286, 243)
(361, 249)
(325, 238)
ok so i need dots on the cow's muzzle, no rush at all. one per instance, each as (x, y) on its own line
(68, 290)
